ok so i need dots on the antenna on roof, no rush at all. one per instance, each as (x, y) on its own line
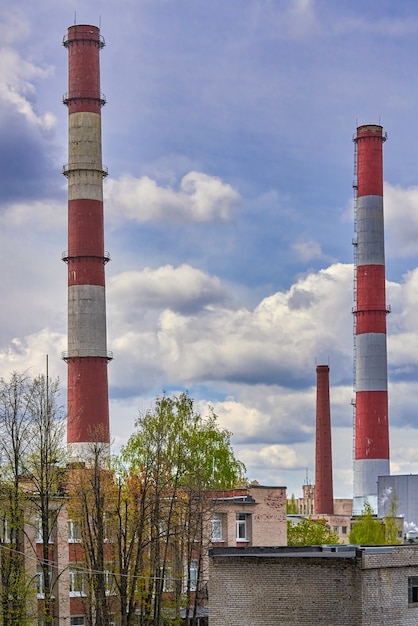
(75, 18)
(100, 22)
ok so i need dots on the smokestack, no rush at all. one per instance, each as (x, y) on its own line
(324, 498)
(87, 356)
(371, 448)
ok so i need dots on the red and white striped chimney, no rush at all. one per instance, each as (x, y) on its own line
(324, 496)
(371, 448)
(87, 356)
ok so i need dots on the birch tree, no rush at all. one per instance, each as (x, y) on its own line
(185, 456)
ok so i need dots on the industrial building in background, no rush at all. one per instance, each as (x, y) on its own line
(371, 447)
(87, 356)
(324, 497)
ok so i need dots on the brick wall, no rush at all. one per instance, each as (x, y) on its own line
(253, 591)
(363, 586)
(385, 586)
(265, 508)
(269, 517)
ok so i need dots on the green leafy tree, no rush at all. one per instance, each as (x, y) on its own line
(391, 526)
(144, 516)
(292, 505)
(367, 529)
(310, 532)
(183, 456)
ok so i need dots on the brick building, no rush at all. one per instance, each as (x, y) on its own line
(254, 516)
(332, 586)
(245, 518)
(241, 518)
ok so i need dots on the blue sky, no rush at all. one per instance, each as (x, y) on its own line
(229, 209)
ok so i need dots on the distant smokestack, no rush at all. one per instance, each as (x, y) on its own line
(87, 355)
(324, 497)
(371, 453)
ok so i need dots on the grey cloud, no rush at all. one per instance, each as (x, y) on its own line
(184, 289)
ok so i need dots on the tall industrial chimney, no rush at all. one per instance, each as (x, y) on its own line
(87, 356)
(324, 498)
(371, 448)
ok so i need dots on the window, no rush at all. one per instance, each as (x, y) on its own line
(193, 574)
(241, 526)
(40, 579)
(7, 535)
(74, 531)
(167, 576)
(217, 527)
(38, 527)
(76, 582)
(109, 577)
(336, 529)
(38, 523)
(77, 620)
(162, 528)
(413, 590)
(344, 530)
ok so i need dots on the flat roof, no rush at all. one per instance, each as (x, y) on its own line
(340, 551)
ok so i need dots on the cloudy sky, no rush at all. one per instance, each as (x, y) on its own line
(229, 209)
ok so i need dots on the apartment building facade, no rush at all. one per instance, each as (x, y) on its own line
(240, 518)
(253, 516)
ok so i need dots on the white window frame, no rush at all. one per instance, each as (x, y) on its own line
(109, 581)
(76, 582)
(6, 535)
(38, 526)
(74, 531)
(108, 527)
(193, 574)
(77, 620)
(241, 522)
(216, 522)
(38, 529)
(40, 580)
(167, 575)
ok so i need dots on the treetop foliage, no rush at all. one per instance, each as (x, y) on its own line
(310, 532)
(184, 446)
(292, 505)
(368, 529)
(140, 522)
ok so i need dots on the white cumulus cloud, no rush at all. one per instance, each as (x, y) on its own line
(401, 220)
(17, 78)
(200, 198)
